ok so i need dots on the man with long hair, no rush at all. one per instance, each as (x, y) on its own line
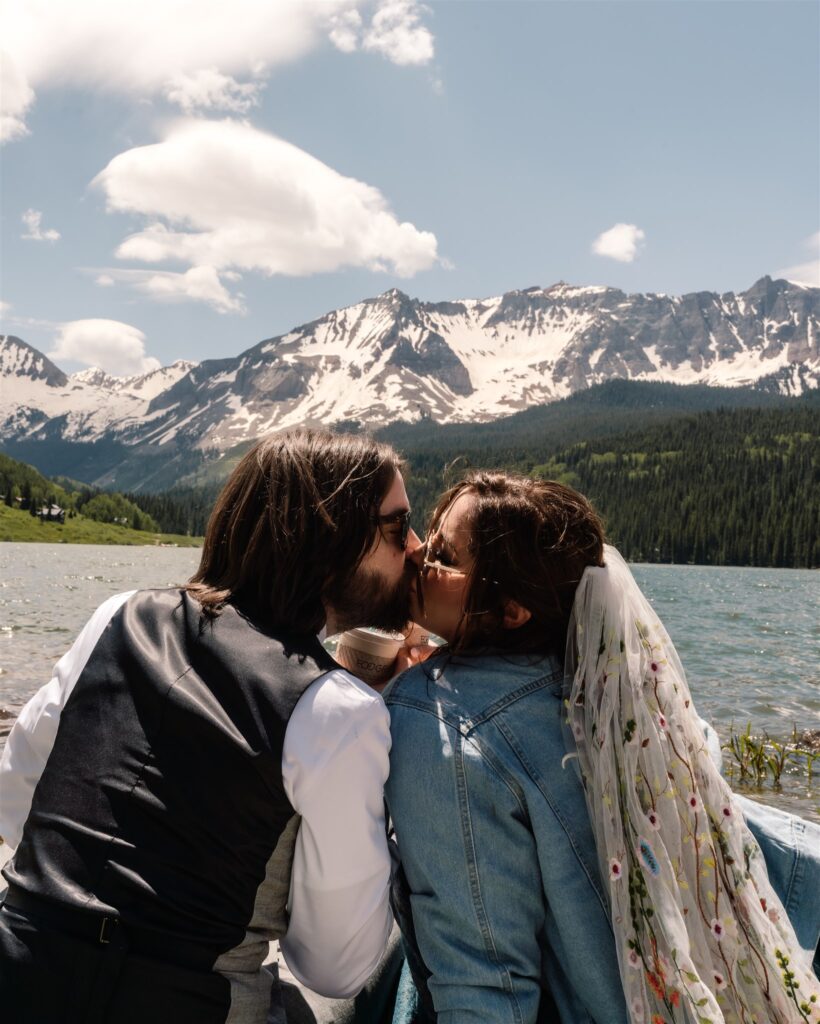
(200, 777)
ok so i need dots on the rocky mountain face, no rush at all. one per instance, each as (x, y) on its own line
(395, 358)
(22, 362)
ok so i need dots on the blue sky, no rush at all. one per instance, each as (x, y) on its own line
(219, 182)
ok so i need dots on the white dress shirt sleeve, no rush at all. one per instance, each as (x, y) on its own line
(30, 741)
(335, 763)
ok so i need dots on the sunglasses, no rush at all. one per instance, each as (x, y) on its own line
(437, 568)
(433, 567)
(400, 519)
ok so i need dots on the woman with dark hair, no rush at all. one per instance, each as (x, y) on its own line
(570, 851)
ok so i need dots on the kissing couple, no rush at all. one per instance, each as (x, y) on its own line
(200, 779)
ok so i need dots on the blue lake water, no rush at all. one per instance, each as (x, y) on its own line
(749, 638)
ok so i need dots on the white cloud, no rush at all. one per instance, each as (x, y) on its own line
(397, 33)
(224, 195)
(802, 273)
(621, 242)
(104, 280)
(809, 272)
(199, 284)
(115, 347)
(174, 47)
(32, 219)
(345, 30)
(209, 89)
(5, 308)
(17, 97)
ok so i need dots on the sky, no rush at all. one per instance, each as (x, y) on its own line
(181, 180)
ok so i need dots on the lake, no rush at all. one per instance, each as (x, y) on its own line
(748, 638)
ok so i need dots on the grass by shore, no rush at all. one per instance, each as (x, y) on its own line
(20, 526)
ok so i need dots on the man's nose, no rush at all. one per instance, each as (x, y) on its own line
(414, 552)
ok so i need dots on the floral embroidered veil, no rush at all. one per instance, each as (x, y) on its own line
(701, 935)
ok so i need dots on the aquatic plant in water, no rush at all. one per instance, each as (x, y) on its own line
(761, 759)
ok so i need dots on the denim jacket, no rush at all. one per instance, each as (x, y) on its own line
(508, 906)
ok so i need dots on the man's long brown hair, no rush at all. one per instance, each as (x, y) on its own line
(295, 518)
(531, 541)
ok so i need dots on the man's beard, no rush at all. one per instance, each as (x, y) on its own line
(367, 600)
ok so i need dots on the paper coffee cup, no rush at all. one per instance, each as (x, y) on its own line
(419, 636)
(369, 654)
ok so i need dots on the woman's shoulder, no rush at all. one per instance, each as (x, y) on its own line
(473, 684)
(414, 682)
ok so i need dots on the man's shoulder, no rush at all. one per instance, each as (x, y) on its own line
(338, 695)
(337, 712)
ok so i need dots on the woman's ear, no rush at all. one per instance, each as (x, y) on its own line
(515, 615)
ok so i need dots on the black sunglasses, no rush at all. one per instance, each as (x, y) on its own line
(400, 519)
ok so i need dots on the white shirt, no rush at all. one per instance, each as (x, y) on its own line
(334, 766)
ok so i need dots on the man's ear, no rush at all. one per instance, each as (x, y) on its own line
(515, 615)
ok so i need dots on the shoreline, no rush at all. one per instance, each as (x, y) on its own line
(183, 542)
(170, 540)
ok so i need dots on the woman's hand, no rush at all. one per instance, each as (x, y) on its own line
(409, 656)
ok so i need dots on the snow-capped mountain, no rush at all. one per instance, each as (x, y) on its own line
(396, 358)
(38, 400)
(144, 386)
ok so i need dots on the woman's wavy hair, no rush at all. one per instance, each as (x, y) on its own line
(292, 524)
(532, 540)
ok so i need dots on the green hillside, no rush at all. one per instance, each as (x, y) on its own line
(77, 514)
(20, 526)
(600, 411)
(109, 464)
(731, 487)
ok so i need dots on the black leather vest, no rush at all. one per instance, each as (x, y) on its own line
(162, 799)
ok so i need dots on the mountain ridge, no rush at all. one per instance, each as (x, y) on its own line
(393, 358)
